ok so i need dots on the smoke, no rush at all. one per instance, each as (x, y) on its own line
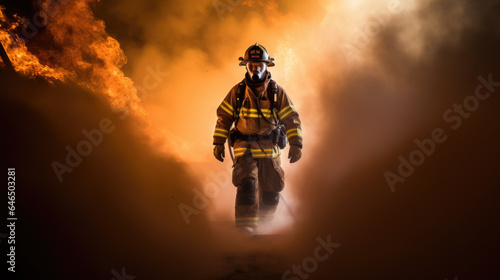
(368, 78)
(199, 49)
(379, 92)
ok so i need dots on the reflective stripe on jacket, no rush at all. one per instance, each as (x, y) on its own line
(252, 123)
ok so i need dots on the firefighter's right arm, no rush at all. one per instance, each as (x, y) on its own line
(289, 117)
(225, 118)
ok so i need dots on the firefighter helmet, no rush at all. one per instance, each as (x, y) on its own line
(256, 53)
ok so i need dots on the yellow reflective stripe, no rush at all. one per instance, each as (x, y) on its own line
(227, 111)
(257, 153)
(220, 135)
(221, 130)
(239, 151)
(290, 131)
(294, 132)
(254, 116)
(283, 110)
(228, 105)
(256, 111)
(248, 221)
(266, 217)
(286, 114)
(247, 218)
(259, 150)
(245, 114)
(286, 111)
(264, 156)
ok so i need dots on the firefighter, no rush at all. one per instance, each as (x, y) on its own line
(259, 108)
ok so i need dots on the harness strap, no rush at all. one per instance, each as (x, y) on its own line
(240, 94)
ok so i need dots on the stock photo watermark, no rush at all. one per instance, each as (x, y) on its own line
(48, 9)
(142, 90)
(121, 276)
(84, 148)
(11, 219)
(221, 7)
(310, 264)
(94, 137)
(454, 116)
(201, 199)
(371, 28)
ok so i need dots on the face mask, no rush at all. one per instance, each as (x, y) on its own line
(257, 74)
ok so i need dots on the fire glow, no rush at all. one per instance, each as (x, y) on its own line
(24, 61)
(90, 59)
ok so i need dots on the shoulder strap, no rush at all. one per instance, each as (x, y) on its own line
(272, 95)
(240, 95)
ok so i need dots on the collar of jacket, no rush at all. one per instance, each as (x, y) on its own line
(258, 88)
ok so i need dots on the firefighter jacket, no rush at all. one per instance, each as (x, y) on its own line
(251, 122)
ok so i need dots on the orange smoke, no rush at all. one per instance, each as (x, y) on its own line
(366, 78)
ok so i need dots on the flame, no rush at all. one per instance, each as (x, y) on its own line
(87, 50)
(81, 52)
(77, 49)
(21, 58)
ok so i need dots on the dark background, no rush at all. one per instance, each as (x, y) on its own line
(115, 210)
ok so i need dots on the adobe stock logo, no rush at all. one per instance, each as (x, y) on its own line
(94, 137)
(121, 276)
(201, 199)
(310, 264)
(222, 7)
(454, 116)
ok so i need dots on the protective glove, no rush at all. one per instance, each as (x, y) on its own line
(294, 153)
(219, 152)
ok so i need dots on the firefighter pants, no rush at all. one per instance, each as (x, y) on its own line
(258, 182)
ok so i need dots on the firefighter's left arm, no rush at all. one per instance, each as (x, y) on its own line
(289, 117)
(225, 118)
